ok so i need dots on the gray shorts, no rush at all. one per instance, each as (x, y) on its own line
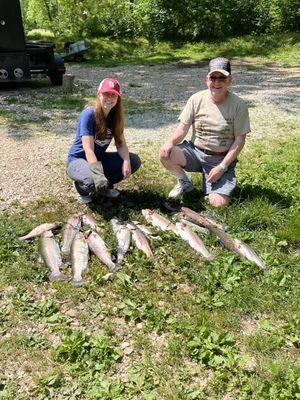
(197, 161)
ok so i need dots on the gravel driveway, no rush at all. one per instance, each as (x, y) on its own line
(35, 139)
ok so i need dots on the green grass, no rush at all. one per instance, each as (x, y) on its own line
(282, 49)
(167, 328)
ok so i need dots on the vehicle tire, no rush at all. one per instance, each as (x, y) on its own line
(56, 79)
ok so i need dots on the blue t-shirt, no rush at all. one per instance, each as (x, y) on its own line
(86, 127)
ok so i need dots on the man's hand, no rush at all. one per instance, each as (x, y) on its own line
(126, 169)
(215, 174)
(99, 178)
(165, 150)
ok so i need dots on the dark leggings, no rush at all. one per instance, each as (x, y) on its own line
(79, 171)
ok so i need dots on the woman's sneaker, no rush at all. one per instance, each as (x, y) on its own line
(83, 199)
(183, 186)
(111, 193)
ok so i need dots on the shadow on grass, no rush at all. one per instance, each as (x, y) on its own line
(249, 192)
(132, 202)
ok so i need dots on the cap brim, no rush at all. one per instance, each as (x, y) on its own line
(222, 71)
(109, 91)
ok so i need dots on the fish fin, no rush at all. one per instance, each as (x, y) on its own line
(39, 259)
(58, 277)
(107, 276)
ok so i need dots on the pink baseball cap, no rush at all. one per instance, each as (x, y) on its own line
(109, 85)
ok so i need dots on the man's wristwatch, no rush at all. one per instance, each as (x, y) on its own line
(223, 166)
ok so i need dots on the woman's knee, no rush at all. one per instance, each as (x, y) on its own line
(218, 200)
(135, 162)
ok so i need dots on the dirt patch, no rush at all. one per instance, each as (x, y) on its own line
(35, 139)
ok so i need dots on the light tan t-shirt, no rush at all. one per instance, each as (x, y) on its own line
(215, 125)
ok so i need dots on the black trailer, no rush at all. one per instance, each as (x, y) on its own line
(20, 59)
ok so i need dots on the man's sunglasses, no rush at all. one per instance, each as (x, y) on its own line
(217, 78)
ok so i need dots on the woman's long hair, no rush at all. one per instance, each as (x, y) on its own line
(118, 121)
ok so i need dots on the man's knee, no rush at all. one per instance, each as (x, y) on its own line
(218, 200)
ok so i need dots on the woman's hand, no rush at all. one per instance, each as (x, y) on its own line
(126, 169)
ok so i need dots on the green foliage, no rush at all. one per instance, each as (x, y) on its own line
(158, 19)
(40, 34)
(83, 351)
(214, 350)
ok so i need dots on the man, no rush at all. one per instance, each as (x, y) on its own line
(220, 122)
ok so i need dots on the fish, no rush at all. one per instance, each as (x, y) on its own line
(145, 230)
(232, 244)
(91, 222)
(140, 239)
(79, 258)
(123, 236)
(197, 227)
(38, 230)
(50, 254)
(193, 240)
(98, 247)
(159, 221)
(71, 228)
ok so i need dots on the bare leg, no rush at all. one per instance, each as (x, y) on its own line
(175, 162)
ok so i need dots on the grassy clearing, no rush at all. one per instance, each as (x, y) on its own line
(175, 327)
(282, 49)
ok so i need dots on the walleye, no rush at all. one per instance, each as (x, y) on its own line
(159, 221)
(40, 229)
(140, 239)
(71, 228)
(79, 258)
(193, 240)
(123, 236)
(91, 222)
(235, 245)
(98, 247)
(50, 253)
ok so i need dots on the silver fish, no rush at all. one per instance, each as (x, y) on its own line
(140, 239)
(40, 229)
(193, 240)
(235, 245)
(123, 236)
(71, 228)
(98, 247)
(50, 253)
(159, 221)
(79, 258)
(195, 226)
(145, 230)
(91, 222)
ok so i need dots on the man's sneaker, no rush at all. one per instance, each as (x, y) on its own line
(111, 193)
(83, 199)
(183, 186)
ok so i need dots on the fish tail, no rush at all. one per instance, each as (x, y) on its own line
(79, 282)
(58, 277)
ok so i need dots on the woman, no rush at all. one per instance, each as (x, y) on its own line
(94, 170)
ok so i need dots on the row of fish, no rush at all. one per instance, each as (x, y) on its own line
(184, 230)
(76, 244)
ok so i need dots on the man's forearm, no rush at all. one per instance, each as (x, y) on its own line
(234, 150)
